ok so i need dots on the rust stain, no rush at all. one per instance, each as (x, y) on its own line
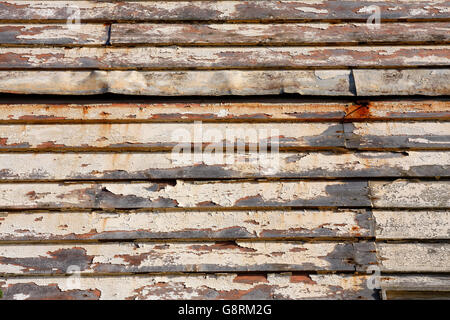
(301, 278)
(251, 278)
(49, 144)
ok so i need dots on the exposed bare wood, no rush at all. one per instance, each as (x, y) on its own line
(410, 194)
(278, 34)
(55, 226)
(191, 287)
(232, 82)
(184, 194)
(138, 166)
(53, 34)
(415, 295)
(261, 111)
(413, 257)
(393, 135)
(166, 83)
(412, 224)
(415, 282)
(107, 258)
(402, 82)
(167, 58)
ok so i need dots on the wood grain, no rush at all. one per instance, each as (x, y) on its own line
(261, 110)
(415, 282)
(410, 194)
(119, 258)
(224, 225)
(14, 10)
(426, 225)
(417, 287)
(157, 165)
(217, 138)
(192, 58)
(181, 83)
(270, 286)
(399, 110)
(397, 135)
(184, 194)
(53, 34)
(414, 257)
(278, 34)
(429, 82)
(402, 82)
(176, 137)
(110, 225)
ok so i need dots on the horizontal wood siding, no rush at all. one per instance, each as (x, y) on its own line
(405, 82)
(15, 10)
(224, 149)
(221, 286)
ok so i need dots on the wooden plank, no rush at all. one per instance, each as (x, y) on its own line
(191, 287)
(63, 82)
(178, 137)
(415, 295)
(126, 257)
(53, 34)
(232, 82)
(279, 34)
(414, 257)
(56, 226)
(416, 287)
(199, 58)
(185, 195)
(14, 10)
(399, 110)
(144, 166)
(412, 224)
(258, 110)
(188, 110)
(410, 194)
(398, 135)
(415, 282)
(211, 83)
(430, 82)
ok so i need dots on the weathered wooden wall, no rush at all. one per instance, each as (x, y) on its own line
(360, 115)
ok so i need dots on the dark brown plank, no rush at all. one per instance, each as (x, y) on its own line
(279, 34)
(13, 10)
(53, 34)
